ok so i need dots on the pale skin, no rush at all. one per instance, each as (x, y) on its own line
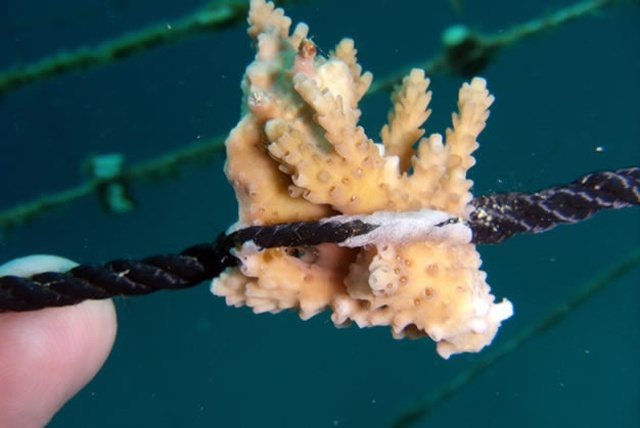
(47, 356)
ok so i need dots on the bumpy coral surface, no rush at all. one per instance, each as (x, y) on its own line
(298, 153)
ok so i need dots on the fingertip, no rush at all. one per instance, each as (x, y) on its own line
(48, 355)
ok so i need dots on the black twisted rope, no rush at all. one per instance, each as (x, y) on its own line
(496, 218)
(502, 215)
(117, 277)
(171, 271)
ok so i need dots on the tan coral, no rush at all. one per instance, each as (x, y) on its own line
(347, 170)
(409, 113)
(299, 154)
(282, 280)
(406, 292)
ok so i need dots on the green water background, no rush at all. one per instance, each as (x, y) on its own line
(567, 103)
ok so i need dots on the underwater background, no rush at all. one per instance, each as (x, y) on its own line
(567, 103)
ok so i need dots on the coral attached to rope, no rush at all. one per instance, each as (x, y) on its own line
(28, 284)
(381, 234)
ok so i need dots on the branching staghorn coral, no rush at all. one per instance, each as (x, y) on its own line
(299, 153)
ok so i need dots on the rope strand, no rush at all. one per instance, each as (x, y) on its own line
(495, 218)
(502, 215)
(118, 277)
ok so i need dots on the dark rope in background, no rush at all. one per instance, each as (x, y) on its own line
(496, 218)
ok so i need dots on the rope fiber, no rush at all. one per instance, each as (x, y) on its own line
(495, 218)
(502, 215)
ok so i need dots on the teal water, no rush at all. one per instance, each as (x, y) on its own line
(567, 103)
